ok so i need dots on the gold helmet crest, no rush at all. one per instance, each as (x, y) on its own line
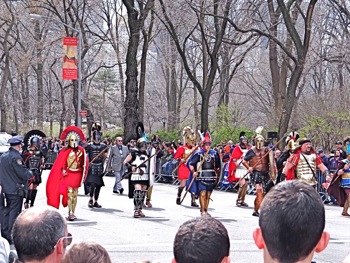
(189, 136)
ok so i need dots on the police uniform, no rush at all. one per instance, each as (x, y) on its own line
(13, 180)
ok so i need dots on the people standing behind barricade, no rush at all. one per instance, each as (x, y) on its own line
(67, 172)
(119, 155)
(205, 168)
(303, 163)
(333, 161)
(14, 177)
(237, 171)
(183, 154)
(323, 157)
(291, 224)
(339, 147)
(34, 160)
(340, 185)
(97, 153)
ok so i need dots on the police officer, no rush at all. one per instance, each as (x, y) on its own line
(13, 181)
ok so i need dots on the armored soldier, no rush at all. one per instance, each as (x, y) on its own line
(183, 154)
(260, 164)
(141, 171)
(205, 167)
(237, 171)
(302, 164)
(67, 172)
(13, 184)
(97, 153)
(34, 160)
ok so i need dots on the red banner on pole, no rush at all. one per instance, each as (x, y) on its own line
(70, 58)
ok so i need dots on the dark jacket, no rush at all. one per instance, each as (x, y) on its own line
(12, 171)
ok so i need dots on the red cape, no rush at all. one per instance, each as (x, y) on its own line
(54, 186)
(236, 154)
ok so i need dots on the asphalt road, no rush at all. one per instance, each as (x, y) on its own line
(128, 239)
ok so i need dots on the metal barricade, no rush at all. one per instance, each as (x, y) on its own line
(50, 158)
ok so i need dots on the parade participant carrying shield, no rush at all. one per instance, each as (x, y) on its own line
(237, 170)
(34, 160)
(260, 164)
(141, 171)
(183, 154)
(97, 154)
(67, 172)
(205, 167)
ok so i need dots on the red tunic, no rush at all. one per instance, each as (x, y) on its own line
(183, 171)
(57, 184)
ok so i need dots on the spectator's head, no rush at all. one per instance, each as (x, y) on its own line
(339, 144)
(202, 240)
(40, 234)
(320, 152)
(292, 220)
(86, 253)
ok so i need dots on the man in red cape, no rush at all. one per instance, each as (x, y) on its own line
(237, 170)
(68, 171)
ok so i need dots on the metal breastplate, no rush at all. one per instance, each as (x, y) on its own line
(206, 171)
(34, 162)
(141, 172)
(95, 150)
(73, 160)
(304, 172)
(187, 153)
(259, 161)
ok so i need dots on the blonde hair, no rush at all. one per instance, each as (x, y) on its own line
(86, 252)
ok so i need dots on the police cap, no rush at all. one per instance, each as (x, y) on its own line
(15, 140)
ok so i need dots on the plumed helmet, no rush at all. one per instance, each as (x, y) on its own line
(33, 138)
(72, 135)
(206, 138)
(242, 136)
(259, 139)
(291, 140)
(189, 136)
(96, 132)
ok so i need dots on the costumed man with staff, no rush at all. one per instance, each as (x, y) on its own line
(68, 172)
(141, 171)
(205, 168)
(340, 185)
(260, 164)
(34, 160)
(302, 164)
(182, 155)
(97, 154)
(237, 170)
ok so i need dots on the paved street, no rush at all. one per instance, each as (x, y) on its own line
(128, 239)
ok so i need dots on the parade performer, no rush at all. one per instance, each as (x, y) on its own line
(141, 171)
(291, 145)
(205, 168)
(67, 172)
(237, 170)
(34, 160)
(97, 154)
(302, 164)
(259, 161)
(340, 185)
(182, 155)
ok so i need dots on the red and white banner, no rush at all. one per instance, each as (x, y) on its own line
(70, 58)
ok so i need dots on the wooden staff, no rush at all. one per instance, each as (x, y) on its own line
(194, 178)
(240, 180)
(99, 154)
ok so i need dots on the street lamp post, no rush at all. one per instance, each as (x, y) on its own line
(79, 62)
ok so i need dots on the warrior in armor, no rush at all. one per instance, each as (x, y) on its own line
(340, 185)
(97, 154)
(183, 154)
(67, 172)
(237, 171)
(34, 160)
(205, 168)
(259, 161)
(291, 145)
(302, 164)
